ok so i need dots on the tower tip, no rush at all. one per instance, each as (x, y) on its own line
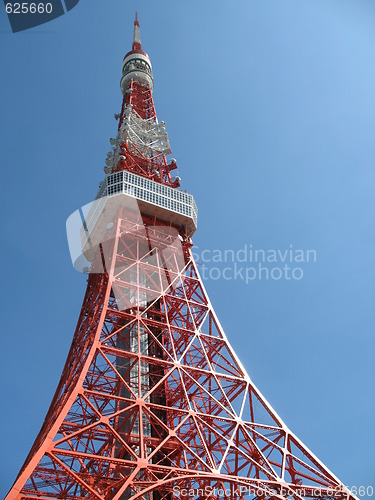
(136, 65)
(136, 39)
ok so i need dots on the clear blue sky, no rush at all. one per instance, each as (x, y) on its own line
(270, 110)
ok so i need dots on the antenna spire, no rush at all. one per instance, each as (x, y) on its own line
(137, 38)
(136, 65)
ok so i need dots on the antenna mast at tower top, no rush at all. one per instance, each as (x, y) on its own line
(136, 38)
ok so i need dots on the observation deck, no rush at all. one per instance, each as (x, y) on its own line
(174, 207)
(168, 204)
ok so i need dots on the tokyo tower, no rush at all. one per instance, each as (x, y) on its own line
(153, 403)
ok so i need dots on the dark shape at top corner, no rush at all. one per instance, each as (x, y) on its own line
(69, 4)
(52, 9)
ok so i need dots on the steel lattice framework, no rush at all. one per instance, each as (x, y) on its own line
(153, 403)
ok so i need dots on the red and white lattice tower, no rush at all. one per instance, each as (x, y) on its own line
(153, 402)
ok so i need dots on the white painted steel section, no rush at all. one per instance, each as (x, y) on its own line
(145, 136)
